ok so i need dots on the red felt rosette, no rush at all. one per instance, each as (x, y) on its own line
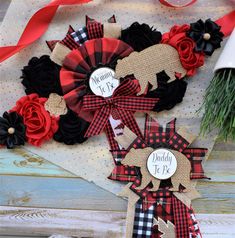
(177, 37)
(40, 125)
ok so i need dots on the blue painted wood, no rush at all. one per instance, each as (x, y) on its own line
(22, 162)
(71, 193)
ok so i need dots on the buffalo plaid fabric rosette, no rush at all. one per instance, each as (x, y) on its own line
(74, 77)
(162, 203)
(80, 63)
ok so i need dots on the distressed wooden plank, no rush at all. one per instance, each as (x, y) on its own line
(22, 162)
(7, 236)
(23, 236)
(217, 226)
(224, 145)
(217, 197)
(220, 166)
(71, 193)
(86, 223)
(79, 223)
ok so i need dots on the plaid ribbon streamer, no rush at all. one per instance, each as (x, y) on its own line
(180, 218)
(168, 208)
(143, 221)
(194, 230)
(122, 103)
(110, 136)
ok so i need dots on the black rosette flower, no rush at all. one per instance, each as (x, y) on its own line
(140, 36)
(71, 129)
(12, 130)
(41, 76)
(169, 94)
(207, 36)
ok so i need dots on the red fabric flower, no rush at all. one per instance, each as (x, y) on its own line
(40, 126)
(178, 38)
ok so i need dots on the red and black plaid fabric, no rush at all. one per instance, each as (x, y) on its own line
(177, 142)
(138, 143)
(162, 195)
(165, 215)
(112, 19)
(51, 44)
(194, 230)
(124, 105)
(110, 136)
(68, 41)
(167, 206)
(180, 218)
(121, 172)
(95, 29)
(155, 134)
(80, 63)
(196, 155)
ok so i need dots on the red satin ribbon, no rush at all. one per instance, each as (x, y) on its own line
(36, 27)
(40, 21)
(166, 3)
(227, 23)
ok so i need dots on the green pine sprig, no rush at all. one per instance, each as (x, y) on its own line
(219, 105)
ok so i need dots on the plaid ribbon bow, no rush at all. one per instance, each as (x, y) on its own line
(121, 105)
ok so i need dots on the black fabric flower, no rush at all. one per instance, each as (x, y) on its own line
(41, 76)
(169, 93)
(12, 130)
(207, 36)
(71, 129)
(140, 36)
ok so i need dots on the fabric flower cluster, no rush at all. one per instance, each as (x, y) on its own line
(193, 42)
(32, 121)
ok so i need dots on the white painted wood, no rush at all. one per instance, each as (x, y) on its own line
(79, 223)
(217, 225)
(86, 223)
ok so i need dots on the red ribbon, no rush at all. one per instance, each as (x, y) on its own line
(40, 21)
(166, 3)
(227, 23)
(121, 105)
(36, 27)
